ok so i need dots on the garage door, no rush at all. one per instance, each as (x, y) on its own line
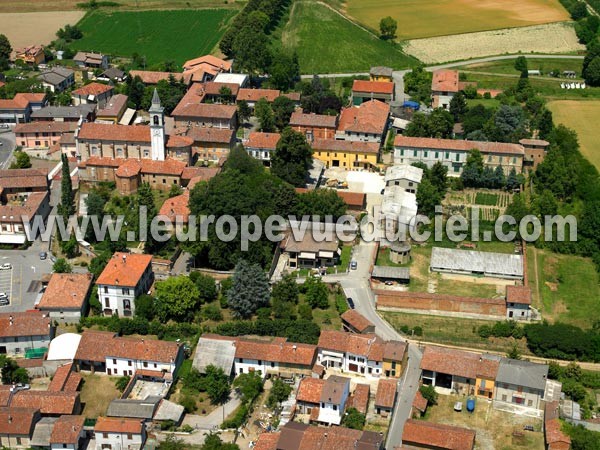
(353, 367)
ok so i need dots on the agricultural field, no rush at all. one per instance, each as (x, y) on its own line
(544, 65)
(582, 116)
(553, 38)
(313, 28)
(23, 29)
(427, 18)
(565, 287)
(14, 6)
(159, 36)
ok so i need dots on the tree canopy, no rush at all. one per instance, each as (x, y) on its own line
(177, 298)
(292, 158)
(249, 291)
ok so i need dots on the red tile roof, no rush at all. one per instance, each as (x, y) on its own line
(67, 430)
(445, 81)
(210, 135)
(91, 346)
(118, 425)
(176, 206)
(204, 110)
(254, 95)
(375, 87)
(300, 119)
(294, 96)
(386, 393)
(419, 402)
(179, 141)
(261, 140)
(17, 421)
(92, 89)
(214, 88)
(114, 132)
(200, 173)
(353, 199)
(60, 378)
(309, 390)
(368, 345)
(21, 100)
(211, 60)
(124, 269)
(278, 351)
(433, 435)
(333, 145)
(360, 398)
(370, 117)
(102, 161)
(555, 438)
(356, 320)
(267, 441)
(459, 363)
(47, 402)
(394, 350)
(21, 324)
(458, 145)
(66, 291)
(151, 77)
(171, 167)
(518, 294)
(536, 142)
(129, 168)
(46, 127)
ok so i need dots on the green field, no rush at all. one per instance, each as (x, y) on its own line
(582, 116)
(566, 288)
(483, 198)
(426, 18)
(160, 36)
(545, 66)
(67, 5)
(326, 42)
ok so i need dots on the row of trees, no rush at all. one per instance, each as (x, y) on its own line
(477, 175)
(432, 189)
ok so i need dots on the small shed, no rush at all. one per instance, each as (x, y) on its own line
(386, 273)
(216, 352)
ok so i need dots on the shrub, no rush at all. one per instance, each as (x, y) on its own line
(122, 383)
(212, 312)
(238, 418)
(428, 392)
(188, 402)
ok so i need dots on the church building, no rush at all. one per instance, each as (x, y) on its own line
(132, 154)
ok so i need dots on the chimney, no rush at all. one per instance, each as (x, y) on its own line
(294, 347)
(10, 320)
(9, 419)
(124, 258)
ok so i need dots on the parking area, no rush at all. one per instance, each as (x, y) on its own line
(22, 283)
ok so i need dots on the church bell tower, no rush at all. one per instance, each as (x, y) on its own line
(157, 128)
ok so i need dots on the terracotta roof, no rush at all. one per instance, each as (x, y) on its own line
(318, 369)
(551, 410)
(174, 141)
(152, 77)
(345, 146)
(267, 441)
(297, 436)
(279, 351)
(536, 142)
(17, 213)
(394, 350)
(91, 346)
(94, 89)
(47, 402)
(129, 168)
(260, 140)
(114, 132)
(103, 161)
(386, 393)
(176, 206)
(369, 117)
(118, 425)
(300, 119)
(60, 377)
(356, 320)
(73, 382)
(21, 100)
(368, 345)
(458, 145)
(66, 291)
(254, 95)
(67, 430)
(24, 324)
(46, 127)
(445, 80)
(434, 435)
(375, 87)
(360, 398)
(208, 59)
(17, 421)
(115, 106)
(124, 269)
(294, 96)
(167, 167)
(352, 199)
(554, 434)
(204, 110)
(203, 173)
(23, 178)
(310, 390)
(206, 134)
(459, 363)
(214, 88)
(85, 57)
(420, 402)
(390, 301)
(518, 294)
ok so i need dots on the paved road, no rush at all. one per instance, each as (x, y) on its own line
(7, 145)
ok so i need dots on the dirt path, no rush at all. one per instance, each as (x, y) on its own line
(537, 281)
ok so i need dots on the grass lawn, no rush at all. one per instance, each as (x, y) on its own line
(426, 18)
(582, 116)
(567, 286)
(160, 36)
(545, 66)
(326, 42)
(487, 102)
(97, 392)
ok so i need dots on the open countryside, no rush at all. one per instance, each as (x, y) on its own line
(156, 35)
(14, 6)
(426, 18)
(310, 30)
(25, 28)
(582, 116)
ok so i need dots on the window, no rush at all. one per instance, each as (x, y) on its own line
(114, 361)
(241, 360)
(125, 291)
(155, 365)
(106, 289)
(164, 181)
(437, 155)
(402, 152)
(529, 402)
(127, 304)
(447, 156)
(37, 143)
(458, 157)
(146, 364)
(425, 153)
(335, 407)
(272, 364)
(414, 153)
(515, 160)
(503, 397)
(129, 436)
(259, 362)
(129, 363)
(489, 158)
(106, 302)
(105, 435)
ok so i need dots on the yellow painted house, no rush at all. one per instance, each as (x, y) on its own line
(346, 154)
(381, 73)
(394, 358)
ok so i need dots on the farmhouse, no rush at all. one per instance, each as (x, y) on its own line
(471, 262)
(262, 145)
(435, 436)
(363, 91)
(65, 380)
(554, 437)
(350, 155)
(251, 96)
(209, 144)
(188, 111)
(385, 399)
(32, 55)
(57, 79)
(65, 113)
(309, 252)
(149, 77)
(444, 86)
(521, 383)
(88, 60)
(68, 432)
(66, 297)
(355, 322)
(381, 73)
(125, 277)
(49, 403)
(114, 433)
(42, 134)
(453, 153)
(518, 302)
(314, 126)
(324, 400)
(404, 175)
(23, 332)
(367, 122)
(535, 152)
(96, 93)
(19, 109)
(17, 426)
(206, 68)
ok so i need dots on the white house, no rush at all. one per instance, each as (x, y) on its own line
(518, 302)
(262, 145)
(66, 296)
(444, 86)
(125, 277)
(68, 432)
(404, 175)
(114, 433)
(358, 353)
(20, 332)
(334, 396)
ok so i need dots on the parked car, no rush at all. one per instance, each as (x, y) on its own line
(353, 265)
(350, 302)
(43, 255)
(4, 301)
(6, 266)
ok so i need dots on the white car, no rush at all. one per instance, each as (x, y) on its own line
(6, 266)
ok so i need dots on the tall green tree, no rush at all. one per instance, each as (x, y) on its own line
(5, 51)
(135, 91)
(61, 266)
(317, 294)
(283, 107)
(250, 385)
(417, 84)
(521, 66)
(286, 289)
(146, 200)
(264, 114)
(284, 71)
(244, 111)
(22, 161)
(216, 383)
(280, 391)
(473, 169)
(177, 298)
(207, 287)
(353, 419)
(249, 291)
(388, 27)
(292, 158)
(458, 106)
(67, 199)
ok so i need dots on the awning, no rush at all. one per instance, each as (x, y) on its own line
(12, 238)
(325, 254)
(305, 255)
